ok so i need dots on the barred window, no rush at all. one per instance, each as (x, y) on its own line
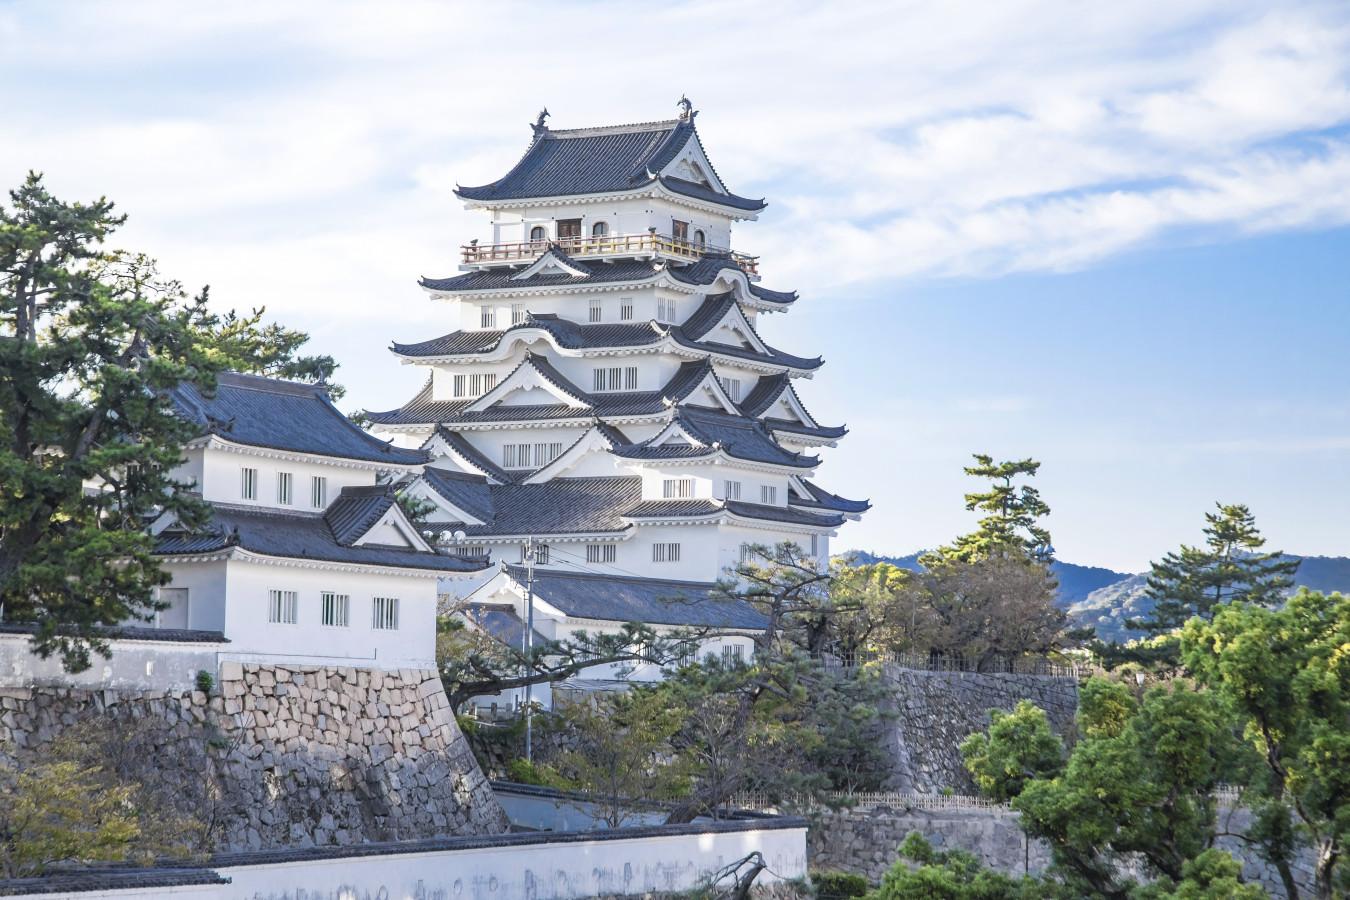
(487, 317)
(283, 607)
(615, 378)
(677, 488)
(626, 308)
(318, 491)
(733, 654)
(248, 483)
(540, 554)
(731, 490)
(284, 488)
(600, 553)
(470, 550)
(768, 494)
(336, 609)
(733, 388)
(384, 613)
(666, 552)
(517, 313)
(596, 311)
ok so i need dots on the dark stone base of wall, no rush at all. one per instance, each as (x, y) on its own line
(283, 757)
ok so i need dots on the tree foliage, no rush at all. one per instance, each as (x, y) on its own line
(1231, 566)
(924, 873)
(1286, 672)
(1012, 512)
(1139, 782)
(90, 342)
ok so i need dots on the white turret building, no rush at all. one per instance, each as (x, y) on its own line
(602, 386)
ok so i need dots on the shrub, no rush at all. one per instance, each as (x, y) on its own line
(206, 682)
(838, 885)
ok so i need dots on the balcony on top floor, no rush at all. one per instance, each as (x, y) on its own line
(648, 244)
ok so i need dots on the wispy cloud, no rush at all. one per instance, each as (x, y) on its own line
(305, 152)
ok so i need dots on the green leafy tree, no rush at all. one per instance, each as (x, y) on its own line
(924, 873)
(1231, 566)
(1019, 747)
(60, 811)
(1012, 514)
(618, 749)
(90, 342)
(1287, 674)
(1138, 784)
(1213, 875)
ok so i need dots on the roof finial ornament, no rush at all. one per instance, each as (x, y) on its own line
(686, 108)
(539, 126)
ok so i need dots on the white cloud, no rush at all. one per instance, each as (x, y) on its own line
(913, 139)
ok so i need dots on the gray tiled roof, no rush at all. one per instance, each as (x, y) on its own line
(738, 436)
(424, 410)
(459, 443)
(559, 506)
(283, 415)
(600, 161)
(650, 600)
(766, 392)
(699, 274)
(136, 633)
(502, 623)
(471, 493)
(825, 500)
(296, 536)
(694, 509)
(102, 879)
(575, 336)
(356, 510)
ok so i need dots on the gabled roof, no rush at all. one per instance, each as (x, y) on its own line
(586, 505)
(356, 510)
(296, 536)
(283, 415)
(736, 436)
(768, 391)
(602, 161)
(470, 493)
(652, 601)
(701, 273)
(422, 409)
(455, 442)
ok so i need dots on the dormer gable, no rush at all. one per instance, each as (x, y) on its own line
(371, 515)
(457, 497)
(706, 391)
(552, 262)
(450, 447)
(597, 441)
(691, 164)
(721, 320)
(533, 382)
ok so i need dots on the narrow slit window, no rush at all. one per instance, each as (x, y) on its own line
(248, 483)
(318, 492)
(284, 495)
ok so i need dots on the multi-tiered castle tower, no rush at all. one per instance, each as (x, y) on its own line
(603, 388)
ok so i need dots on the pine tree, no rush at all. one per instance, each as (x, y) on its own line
(1231, 566)
(1010, 526)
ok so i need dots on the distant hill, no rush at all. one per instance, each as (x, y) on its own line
(1104, 598)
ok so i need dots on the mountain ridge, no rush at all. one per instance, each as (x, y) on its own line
(1103, 598)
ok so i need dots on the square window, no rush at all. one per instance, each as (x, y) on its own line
(283, 607)
(336, 609)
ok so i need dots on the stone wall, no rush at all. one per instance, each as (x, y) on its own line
(936, 711)
(283, 756)
(865, 842)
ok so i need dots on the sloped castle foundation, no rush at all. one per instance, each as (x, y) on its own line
(282, 757)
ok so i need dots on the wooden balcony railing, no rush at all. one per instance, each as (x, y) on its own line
(605, 245)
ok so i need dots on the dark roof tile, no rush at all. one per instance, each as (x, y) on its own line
(296, 536)
(284, 415)
(650, 600)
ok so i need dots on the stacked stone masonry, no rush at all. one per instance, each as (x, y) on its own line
(936, 711)
(286, 757)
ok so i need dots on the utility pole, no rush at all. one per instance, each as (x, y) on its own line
(528, 641)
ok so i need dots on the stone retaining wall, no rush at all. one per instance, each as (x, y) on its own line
(866, 842)
(284, 756)
(936, 711)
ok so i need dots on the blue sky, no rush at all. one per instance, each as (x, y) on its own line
(1115, 237)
